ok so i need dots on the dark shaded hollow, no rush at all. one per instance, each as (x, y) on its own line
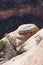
(14, 22)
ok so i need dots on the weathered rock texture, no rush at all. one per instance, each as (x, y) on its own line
(13, 41)
(34, 55)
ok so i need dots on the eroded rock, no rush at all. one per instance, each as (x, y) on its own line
(22, 34)
(31, 42)
(34, 55)
(14, 40)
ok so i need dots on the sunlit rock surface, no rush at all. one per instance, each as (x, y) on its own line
(13, 41)
(34, 55)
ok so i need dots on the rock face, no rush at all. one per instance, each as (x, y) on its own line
(33, 54)
(32, 41)
(22, 33)
(13, 41)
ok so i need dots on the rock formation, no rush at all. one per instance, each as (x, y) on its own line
(12, 43)
(33, 54)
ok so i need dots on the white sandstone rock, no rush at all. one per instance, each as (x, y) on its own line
(14, 40)
(32, 57)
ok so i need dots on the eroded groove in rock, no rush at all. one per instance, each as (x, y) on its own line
(31, 42)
